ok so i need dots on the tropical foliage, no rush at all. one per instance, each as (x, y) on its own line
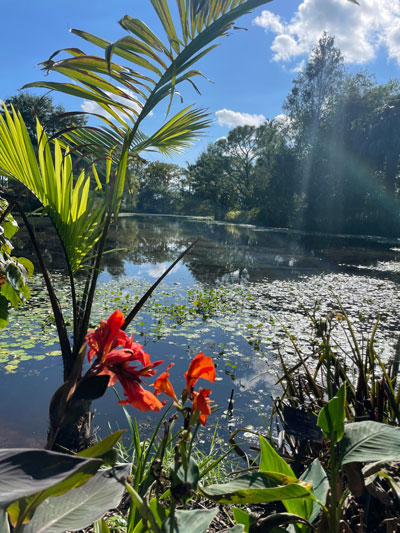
(14, 272)
(152, 73)
(42, 490)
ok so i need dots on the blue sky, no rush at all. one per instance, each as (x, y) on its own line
(251, 71)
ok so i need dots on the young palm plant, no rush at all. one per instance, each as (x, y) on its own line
(151, 71)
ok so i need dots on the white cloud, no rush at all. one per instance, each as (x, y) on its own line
(93, 107)
(359, 30)
(227, 117)
(155, 271)
(282, 119)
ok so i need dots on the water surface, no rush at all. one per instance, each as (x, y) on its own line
(229, 298)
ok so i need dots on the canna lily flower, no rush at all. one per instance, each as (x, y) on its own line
(106, 337)
(201, 403)
(117, 355)
(200, 367)
(136, 395)
(163, 384)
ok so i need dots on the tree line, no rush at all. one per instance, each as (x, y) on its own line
(330, 163)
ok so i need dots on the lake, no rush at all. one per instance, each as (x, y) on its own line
(231, 297)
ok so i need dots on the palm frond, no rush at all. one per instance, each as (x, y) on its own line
(67, 199)
(153, 68)
(173, 137)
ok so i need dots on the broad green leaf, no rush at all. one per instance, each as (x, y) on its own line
(331, 418)
(196, 521)
(3, 311)
(243, 518)
(13, 276)
(11, 295)
(271, 461)
(102, 447)
(259, 487)
(79, 507)
(27, 264)
(22, 510)
(25, 471)
(191, 475)
(159, 512)
(140, 527)
(10, 227)
(368, 442)
(316, 475)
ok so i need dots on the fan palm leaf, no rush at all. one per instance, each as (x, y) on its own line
(67, 199)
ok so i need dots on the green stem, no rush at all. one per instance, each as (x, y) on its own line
(144, 511)
(84, 323)
(172, 515)
(58, 316)
(332, 511)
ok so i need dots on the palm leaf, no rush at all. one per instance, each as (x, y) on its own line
(173, 137)
(49, 177)
(154, 66)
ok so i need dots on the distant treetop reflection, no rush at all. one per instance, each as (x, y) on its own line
(226, 253)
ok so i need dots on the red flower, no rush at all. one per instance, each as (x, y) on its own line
(116, 355)
(136, 395)
(163, 384)
(140, 354)
(200, 367)
(201, 402)
(106, 337)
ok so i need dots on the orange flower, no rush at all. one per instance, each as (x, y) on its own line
(137, 349)
(116, 355)
(136, 395)
(201, 402)
(163, 384)
(200, 367)
(106, 337)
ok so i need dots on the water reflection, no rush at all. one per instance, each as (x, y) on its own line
(226, 253)
(270, 264)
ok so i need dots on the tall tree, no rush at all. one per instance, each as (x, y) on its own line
(211, 181)
(309, 106)
(160, 185)
(240, 147)
(274, 175)
(366, 141)
(315, 89)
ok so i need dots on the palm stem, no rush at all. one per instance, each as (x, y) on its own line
(58, 316)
